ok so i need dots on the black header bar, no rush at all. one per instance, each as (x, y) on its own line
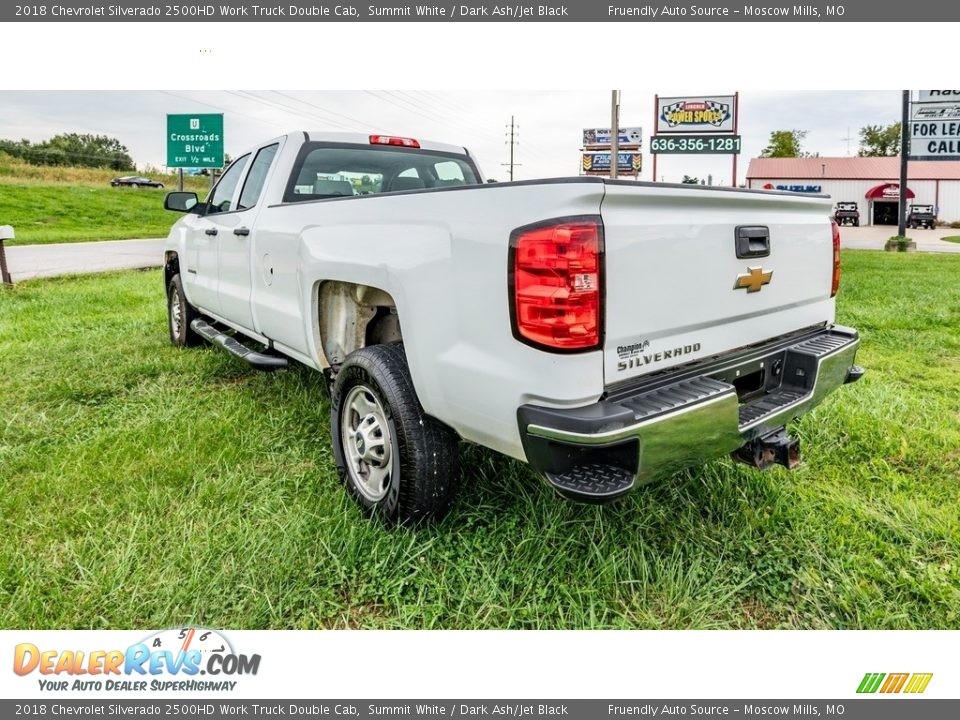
(479, 11)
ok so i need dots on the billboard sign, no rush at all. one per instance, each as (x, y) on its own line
(696, 114)
(195, 141)
(939, 95)
(935, 140)
(695, 145)
(600, 137)
(599, 162)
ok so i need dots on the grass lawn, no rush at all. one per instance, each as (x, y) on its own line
(952, 238)
(54, 205)
(142, 486)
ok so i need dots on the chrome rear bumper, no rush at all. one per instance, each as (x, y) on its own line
(686, 418)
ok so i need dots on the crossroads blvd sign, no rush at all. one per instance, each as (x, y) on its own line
(195, 141)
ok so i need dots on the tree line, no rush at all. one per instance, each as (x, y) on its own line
(72, 149)
(875, 141)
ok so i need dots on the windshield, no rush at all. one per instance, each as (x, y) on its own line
(326, 171)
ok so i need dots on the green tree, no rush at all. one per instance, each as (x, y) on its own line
(785, 144)
(687, 180)
(879, 141)
(73, 149)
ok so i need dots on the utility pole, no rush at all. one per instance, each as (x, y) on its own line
(512, 133)
(614, 134)
(847, 140)
(904, 150)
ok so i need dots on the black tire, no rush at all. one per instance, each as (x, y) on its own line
(181, 334)
(418, 482)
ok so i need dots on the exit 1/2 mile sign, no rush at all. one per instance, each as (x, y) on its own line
(195, 141)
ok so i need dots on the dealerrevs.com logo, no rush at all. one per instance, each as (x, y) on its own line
(168, 660)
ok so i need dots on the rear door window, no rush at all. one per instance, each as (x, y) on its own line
(253, 185)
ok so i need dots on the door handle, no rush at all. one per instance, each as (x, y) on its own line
(242, 231)
(210, 231)
(752, 241)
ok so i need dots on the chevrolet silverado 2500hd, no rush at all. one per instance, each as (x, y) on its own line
(604, 332)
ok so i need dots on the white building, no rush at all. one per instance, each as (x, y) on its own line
(871, 182)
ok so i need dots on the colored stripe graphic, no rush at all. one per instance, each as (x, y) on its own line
(894, 682)
(918, 682)
(870, 682)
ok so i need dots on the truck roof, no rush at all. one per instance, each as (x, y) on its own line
(364, 139)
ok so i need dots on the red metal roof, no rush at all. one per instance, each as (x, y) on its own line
(850, 168)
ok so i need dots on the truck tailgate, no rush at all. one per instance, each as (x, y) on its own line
(676, 291)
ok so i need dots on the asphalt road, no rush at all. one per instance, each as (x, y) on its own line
(33, 261)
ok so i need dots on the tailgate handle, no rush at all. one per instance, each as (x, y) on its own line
(752, 241)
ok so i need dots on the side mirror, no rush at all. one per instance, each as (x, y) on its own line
(180, 202)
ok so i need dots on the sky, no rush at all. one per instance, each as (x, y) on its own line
(549, 123)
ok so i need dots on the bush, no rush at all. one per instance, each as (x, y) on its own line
(900, 243)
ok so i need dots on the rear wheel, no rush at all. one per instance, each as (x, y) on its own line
(180, 314)
(397, 461)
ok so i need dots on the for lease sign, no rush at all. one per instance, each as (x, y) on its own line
(935, 140)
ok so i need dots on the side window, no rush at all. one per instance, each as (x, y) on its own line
(226, 188)
(449, 173)
(253, 185)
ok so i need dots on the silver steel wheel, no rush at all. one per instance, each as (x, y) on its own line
(365, 438)
(176, 313)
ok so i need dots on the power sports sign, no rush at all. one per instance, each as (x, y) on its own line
(699, 114)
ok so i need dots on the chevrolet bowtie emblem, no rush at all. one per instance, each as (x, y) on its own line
(754, 279)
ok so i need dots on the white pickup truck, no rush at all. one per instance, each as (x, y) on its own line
(605, 332)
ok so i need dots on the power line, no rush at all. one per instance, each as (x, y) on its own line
(326, 110)
(512, 164)
(216, 107)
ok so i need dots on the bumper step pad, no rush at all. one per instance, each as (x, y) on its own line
(593, 482)
(768, 405)
(676, 396)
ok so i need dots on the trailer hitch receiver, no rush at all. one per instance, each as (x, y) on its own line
(774, 448)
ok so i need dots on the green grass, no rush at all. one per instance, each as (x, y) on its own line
(66, 204)
(142, 486)
(952, 238)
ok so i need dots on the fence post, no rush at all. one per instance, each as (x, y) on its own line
(6, 233)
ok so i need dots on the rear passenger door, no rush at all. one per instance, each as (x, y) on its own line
(238, 227)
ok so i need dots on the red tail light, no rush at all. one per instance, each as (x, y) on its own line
(556, 283)
(393, 140)
(836, 259)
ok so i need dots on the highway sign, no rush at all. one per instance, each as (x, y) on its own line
(195, 141)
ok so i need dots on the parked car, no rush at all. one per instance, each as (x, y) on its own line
(137, 181)
(921, 216)
(847, 214)
(605, 332)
